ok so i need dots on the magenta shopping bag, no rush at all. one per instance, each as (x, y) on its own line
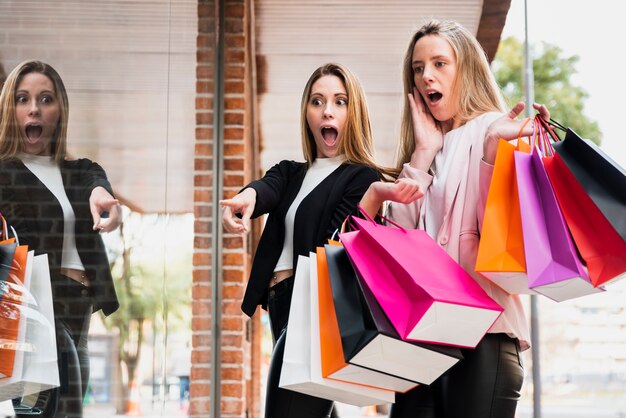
(552, 263)
(426, 295)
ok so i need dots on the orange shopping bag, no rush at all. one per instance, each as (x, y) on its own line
(501, 256)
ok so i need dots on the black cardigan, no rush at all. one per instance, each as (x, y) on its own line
(320, 213)
(36, 215)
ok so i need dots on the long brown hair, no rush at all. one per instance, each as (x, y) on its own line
(11, 142)
(480, 92)
(356, 145)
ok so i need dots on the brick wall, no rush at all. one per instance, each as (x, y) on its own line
(240, 340)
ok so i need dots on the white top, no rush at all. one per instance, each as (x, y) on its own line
(317, 172)
(49, 173)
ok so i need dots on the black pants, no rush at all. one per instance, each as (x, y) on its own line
(73, 307)
(485, 384)
(283, 403)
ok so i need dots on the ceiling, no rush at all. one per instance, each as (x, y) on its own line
(293, 38)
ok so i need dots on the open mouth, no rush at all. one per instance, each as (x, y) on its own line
(33, 132)
(434, 98)
(330, 136)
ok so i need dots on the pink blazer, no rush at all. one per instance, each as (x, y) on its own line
(466, 188)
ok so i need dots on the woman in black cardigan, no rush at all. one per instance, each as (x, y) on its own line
(306, 202)
(54, 205)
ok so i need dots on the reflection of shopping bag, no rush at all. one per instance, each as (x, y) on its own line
(552, 263)
(334, 365)
(10, 306)
(427, 296)
(302, 368)
(367, 337)
(35, 366)
(501, 256)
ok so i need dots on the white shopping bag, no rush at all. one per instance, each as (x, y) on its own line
(35, 368)
(302, 367)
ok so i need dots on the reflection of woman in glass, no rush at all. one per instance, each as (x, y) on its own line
(54, 204)
(306, 202)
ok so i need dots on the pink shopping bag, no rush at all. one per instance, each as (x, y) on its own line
(426, 295)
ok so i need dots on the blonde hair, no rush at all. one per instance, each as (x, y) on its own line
(356, 145)
(10, 135)
(480, 92)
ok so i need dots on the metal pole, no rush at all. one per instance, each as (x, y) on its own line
(216, 226)
(529, 81)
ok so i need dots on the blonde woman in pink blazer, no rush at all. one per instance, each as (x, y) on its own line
(453, 116)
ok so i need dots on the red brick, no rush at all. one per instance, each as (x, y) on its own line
(205, 103)
(232, 55)
(234, 10)
(202, 226)
(202, 340)
(200, 308)
(233, 324)
(200, 356)
(230, 307)
(233, 340)
(233, 180)
(232, 373)
(203, 180)
(233, 133)
(202, 243)
(202, 211)
(204, 118)
(204, 71)
(232, 292)
(233, 149)
(203, 324)
(234, 390)
(234, 41)
(205, 86)
(233, 275)
(203, 149)
(205, 40)
(232, 259)
(201, 275)
(233, 164)
(199, 389)
(234, 72)
(200, 373)
(202, 196)
(201, 292)
(206, 25)
(233, 118)
(204, 133)
(233, 242)
(233, 25)
(231, 103)
(201, 259)
(232, 87)
(202, 164)
(232, 408)
(205, 55)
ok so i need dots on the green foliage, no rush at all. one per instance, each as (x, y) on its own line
(553, 87)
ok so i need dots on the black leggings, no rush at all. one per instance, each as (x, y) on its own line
(284, 403)
(485, 384)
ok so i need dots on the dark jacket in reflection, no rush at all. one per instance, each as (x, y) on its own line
(37, 217)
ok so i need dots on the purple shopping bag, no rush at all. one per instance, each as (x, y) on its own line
(426, 295)
(552, 264)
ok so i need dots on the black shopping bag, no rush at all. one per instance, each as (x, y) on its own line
(603, 179)
(369, 339)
